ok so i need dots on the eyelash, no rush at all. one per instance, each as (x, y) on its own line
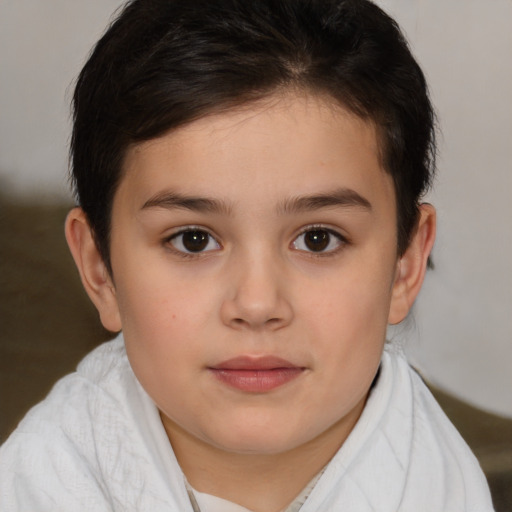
(168, 242)
(341, 240)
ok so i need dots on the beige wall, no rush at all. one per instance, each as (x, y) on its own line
(461, 333)
(43, 44)
(461, 336)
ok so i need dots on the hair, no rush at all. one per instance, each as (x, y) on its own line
(165, 63)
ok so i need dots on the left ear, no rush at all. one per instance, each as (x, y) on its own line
(412, 265)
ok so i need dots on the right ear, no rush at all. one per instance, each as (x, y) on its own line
(94, 274)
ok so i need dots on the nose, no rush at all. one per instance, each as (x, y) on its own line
(256, 297)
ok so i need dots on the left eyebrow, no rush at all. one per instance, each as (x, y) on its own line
(343, 197)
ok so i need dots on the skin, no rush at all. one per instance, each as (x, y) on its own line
(257, 288)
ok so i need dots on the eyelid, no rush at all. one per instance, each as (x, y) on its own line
(322, 227)
(167, 241)
(342, 239)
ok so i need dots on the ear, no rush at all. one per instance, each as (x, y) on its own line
(94, 274)
(411, 267)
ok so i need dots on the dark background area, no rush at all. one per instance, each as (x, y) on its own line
(47, 325)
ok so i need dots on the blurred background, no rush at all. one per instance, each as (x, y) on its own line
(460, 333)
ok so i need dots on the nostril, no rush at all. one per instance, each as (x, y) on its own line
(271, 322)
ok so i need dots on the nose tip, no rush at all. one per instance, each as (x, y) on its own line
(257, 300)
(250, 320)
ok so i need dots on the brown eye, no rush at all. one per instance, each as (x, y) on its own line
(318, 240)
(194, 241)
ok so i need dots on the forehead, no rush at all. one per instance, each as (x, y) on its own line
(286, 142)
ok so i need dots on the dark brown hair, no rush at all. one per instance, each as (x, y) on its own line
(164, 63)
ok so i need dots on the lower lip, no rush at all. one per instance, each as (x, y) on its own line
(257, 381)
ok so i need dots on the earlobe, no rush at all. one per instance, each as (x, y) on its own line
(93, 272)
(412, 265)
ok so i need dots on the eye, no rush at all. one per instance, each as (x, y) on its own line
(194, 241)
(318, 240)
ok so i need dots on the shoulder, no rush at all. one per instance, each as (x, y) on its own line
(91, 392)
(441, 466)
(104, 362)
(61, 452)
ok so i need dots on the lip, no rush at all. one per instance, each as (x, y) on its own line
(256, 374)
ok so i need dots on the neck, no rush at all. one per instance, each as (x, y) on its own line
(259, 482)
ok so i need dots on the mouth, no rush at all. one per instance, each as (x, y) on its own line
(256, 374)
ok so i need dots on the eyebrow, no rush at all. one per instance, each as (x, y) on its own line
(342, 197)
(172, 200)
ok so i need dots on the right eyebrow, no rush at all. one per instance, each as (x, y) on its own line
(172, 200)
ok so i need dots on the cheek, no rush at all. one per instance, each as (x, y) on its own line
(348, 322)
(158, 311)
(350, 337)
(161, 327)
(353, 306)
(169, 321)
(157, 294)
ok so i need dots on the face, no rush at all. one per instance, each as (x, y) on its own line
(254, 260)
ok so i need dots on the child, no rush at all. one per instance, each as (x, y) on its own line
(249, 175)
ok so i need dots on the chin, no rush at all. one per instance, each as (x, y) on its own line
(257, 441)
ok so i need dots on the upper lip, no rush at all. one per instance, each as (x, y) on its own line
(254, 363)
